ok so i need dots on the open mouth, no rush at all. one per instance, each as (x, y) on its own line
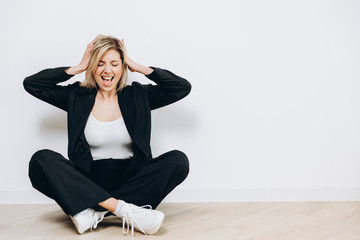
(107, 80)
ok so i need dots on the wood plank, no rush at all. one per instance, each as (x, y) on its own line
(238, 221)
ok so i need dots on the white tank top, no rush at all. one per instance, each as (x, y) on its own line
(108, 139)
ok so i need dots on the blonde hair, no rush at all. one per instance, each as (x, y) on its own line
(102, 44)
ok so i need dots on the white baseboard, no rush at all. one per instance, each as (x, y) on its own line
(265, 195)
(217, 195)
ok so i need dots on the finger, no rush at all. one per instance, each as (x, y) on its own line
(90, 46)
(123, 43)
(92, 42)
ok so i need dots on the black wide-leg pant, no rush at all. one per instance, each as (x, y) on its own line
(57, 178)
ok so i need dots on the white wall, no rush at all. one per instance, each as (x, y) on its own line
(274, 114)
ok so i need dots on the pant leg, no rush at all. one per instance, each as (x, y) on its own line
(151, 184)
(57, 178)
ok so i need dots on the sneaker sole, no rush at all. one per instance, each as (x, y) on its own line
(80, 231)
(157, 225)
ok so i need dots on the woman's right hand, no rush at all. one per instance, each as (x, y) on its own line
(84, 63)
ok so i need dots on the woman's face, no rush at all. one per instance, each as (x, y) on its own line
(109, 70)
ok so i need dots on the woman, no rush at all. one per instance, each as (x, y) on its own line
(111, 168)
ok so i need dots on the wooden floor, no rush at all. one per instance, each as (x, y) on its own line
(187, 221)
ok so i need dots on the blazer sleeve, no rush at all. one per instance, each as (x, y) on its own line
(169, 88)
(43, 85)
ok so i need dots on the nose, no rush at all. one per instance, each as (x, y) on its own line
(107, 68)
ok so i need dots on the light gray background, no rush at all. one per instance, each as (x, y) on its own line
(274, 113)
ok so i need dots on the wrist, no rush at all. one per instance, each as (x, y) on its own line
(75, 70)
(142, 69)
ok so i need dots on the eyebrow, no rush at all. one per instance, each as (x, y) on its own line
(111, 61)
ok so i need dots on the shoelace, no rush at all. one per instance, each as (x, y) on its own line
(130, 219)
(95, 220)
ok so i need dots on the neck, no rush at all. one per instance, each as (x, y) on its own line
(107, 95)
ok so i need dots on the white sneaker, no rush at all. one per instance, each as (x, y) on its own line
(144, 219)
(87, 219)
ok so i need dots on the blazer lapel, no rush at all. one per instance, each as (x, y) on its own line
(129, 113)
(126, 105)
(82, 109)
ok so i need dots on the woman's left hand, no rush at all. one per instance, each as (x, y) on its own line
(133, 66)
(129, 62)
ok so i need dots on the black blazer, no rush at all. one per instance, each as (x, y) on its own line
(136, 102)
